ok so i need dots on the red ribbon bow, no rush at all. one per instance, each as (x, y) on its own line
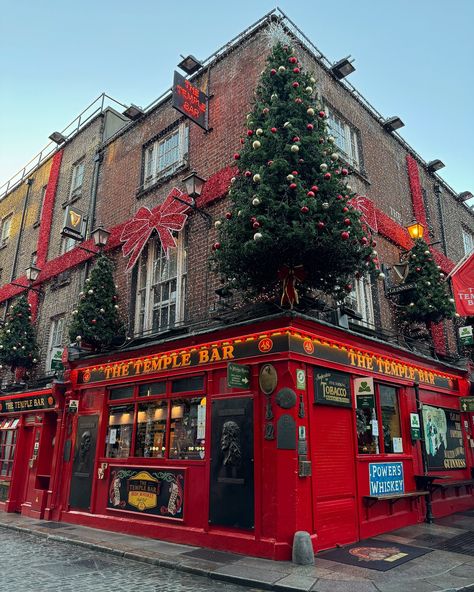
(169, 216)
(290, 275)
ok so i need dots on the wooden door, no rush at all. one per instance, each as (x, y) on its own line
(84, 462)
(334, 477)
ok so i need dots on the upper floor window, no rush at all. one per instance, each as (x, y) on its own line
(67, 244)
(5, 229)
(161, 287)
(468, 241)
(361, 300)
(77, 179)
(346, 138)
(165, 155)
(42, 198)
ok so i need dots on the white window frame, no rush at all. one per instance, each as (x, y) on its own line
(55, 339)
(346, 136)
(43, 197)
(5, 229)
(77, 179)
(152, 279)
(67, 244)
(467, 241)
(158, 160)
(361, 300)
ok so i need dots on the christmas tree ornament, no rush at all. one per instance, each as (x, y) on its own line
(286, 124)
(233, 180)
(255, 201)
(323, 167)
(427, 252)
(295, 84)
(347, 221)
(321, 225)
(256, 225)
(345, 172)
(322, 114)
(295, 148)
(290, 177)
(293, 60)
(216, 246)
(248, 173)
(325, 205)
(381, 276)
(249, 133)
(310, 111)
(327, 176)
(257, 236)
(273, 130)
(296, 138)
(331, 140)
(102, 310)
(296, 70)
(217, 223)
(293, 186)
(259, 131)
(310, 194)
(312, 80)
(310, 127)
(309, 89)
(236, 156)
(314, 188)
(304, 209)
(345, 235)
(273, 71)
(298, 101)
(349, 188)
(257, 178)
(274, 97)
(256, 145)
(228, 215)
(281, 69)
(266, 111)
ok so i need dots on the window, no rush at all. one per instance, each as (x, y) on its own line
(42, 198)
(165, 156)
(161, 287)
(378, 422)
(67, 244)
(5, 228)
(153, 423)
(346, 138)
(34, 258)
(56, 335)
(7, 445)
(468, 241)
(360, 300)
(77, 179)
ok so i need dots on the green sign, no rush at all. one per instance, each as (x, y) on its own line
(365, 402)
(57, 359)
(300, 379)
(465, 335)
(238, 376)
(415, 427)
(332, 388)
(467, 404)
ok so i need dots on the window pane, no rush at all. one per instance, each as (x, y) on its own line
(367, 425)
(188, 426)
(119, 431)
(125, 392)
(151, 429)
(181, 385)
(390, 419)
(152, 388)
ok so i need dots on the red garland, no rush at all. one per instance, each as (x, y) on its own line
(217, 186)
(437, 334)
(416, 194)
(369, 213)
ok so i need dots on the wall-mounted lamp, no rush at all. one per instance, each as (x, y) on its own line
(194, 185)
(435, 165)
(342, 68)
(465, 195)
(32, 274)
(189, 64)
(133, 112)
(58, 138)
(415, 230)
(100, 236)
(391, 124)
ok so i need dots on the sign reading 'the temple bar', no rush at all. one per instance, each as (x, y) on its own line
(191, 101)
(33, 403)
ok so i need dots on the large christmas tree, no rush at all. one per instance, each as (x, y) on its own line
(429, 300)
(18, 347)
(97, 322)
(290, 220)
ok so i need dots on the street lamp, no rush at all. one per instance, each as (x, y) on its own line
(32, 274)
(100, 236)
(342, 68)
(194, 185)
(415, 230)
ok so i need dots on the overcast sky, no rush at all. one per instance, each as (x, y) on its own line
(413, 58)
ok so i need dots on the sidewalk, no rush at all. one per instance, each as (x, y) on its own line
(438, 570)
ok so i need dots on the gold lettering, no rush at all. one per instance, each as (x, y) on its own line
(352, 356)
(227, 352)
(146, 366)
(203, 356)
(215, 355)
(186, 359)
(361, 361)
(176, 363)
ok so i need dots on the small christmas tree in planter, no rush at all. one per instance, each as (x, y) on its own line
(290, 222)
(429, 300)
(18, 346)
(96, 321)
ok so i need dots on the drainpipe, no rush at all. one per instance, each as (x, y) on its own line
(92, 204)
(439, 192)
(29, 183)
(424, 459)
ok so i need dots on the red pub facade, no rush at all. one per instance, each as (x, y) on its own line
(234, 430)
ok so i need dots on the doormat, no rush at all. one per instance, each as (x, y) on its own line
(374, 554)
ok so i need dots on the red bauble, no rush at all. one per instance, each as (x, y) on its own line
(347, 222)
(364, 240)
(265, 111)
(249, 133)
(310, 194)
(348, 288)
(293, 186)
(374, 244)
(418, 269)
(296, 139)
(337, 172)
(339, 197)
(256, 224)
(310, 127)
(327, 176)
(228, 215)
(345, 235)
(292, 60)
(236, 156)
(216, 246)
(248, 173)
(301, 160)
(242, 141)
(321, 225)
(296, 70)
(270, 162)
(345, 172)
(345, 210)
(305, 209)
(315, 188)
(322, 114)
(298, 100)
(295, 84)
(294, 172)
(93, 321)
(273, 71)
(273, 130)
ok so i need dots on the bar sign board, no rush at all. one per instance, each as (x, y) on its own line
(238, 375)
(467, 404)
(386, 478)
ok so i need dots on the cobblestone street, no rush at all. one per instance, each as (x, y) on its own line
(30, 563)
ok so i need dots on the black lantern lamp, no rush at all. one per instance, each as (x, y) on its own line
(391, 124)
(58, 138)
(189, 64)
(415, 230)
(342, 68)
(194, 184)
(435, 165)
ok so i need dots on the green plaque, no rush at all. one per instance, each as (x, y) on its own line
(465, 335)
(365, 401)
(467, 404)
(238, 375)
(415, 427)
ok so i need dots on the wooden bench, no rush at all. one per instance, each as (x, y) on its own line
(370, 500)
(459, 483)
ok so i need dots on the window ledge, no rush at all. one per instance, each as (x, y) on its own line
(71, 200)
(36, 224)
(3, 245)
(362, 175)
(142, 192)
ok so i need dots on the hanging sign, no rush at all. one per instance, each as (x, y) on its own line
(332, 388)
(467, 404)
(443, 438)
(364, 386)
(190, 101)
(74, 224)
(415, 428)
(159, 492)
(463, 287)
(465, 335)
(57, 359)
(386, 478)
(32, 403)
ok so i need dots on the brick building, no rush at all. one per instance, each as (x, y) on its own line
(183, 335)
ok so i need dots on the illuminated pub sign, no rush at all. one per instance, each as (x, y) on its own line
(33, 403)
(191, 101)
(74, 223)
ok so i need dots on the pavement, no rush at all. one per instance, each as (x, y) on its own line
(447, 567)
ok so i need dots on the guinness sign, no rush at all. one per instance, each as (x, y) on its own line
(74, 224)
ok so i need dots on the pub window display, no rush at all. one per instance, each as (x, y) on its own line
(378, 422)
(158, 426)
(7, 446)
